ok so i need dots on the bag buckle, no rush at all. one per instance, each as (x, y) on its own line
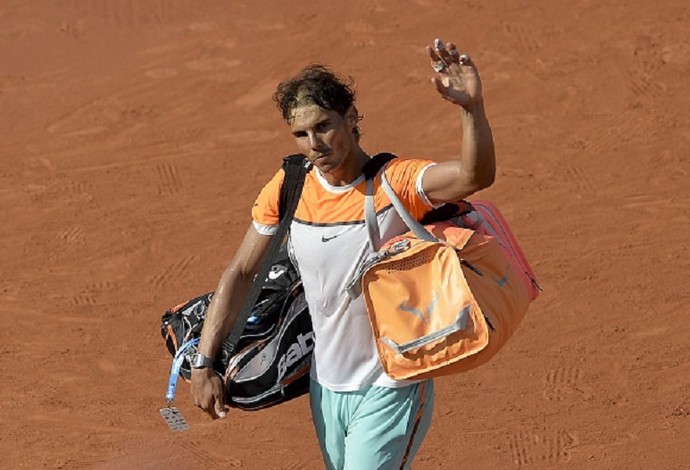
(399, 247)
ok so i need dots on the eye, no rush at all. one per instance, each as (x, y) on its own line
(299, 134)
(322, 126)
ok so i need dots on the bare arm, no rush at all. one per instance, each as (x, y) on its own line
(459, 83)
(206, 388)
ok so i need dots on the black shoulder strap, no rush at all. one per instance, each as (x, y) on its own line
(372, 167)
(296, 168)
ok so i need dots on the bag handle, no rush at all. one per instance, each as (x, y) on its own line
(412, 223)
(296, 168)
(371, 169)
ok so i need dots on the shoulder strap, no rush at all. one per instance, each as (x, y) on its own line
(370, 170)
(416, 228)
(296, 168)
(375, 163)
(370, 211)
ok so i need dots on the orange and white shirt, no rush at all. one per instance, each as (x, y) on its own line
(328, 239)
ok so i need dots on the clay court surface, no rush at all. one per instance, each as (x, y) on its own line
(135, 134)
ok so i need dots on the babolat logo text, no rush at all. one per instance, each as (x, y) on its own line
(296, 351)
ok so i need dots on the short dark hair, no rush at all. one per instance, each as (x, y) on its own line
(316, 84)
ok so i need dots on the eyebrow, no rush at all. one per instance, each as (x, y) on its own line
(325, 120)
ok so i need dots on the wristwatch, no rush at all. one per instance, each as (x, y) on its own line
(199, 361)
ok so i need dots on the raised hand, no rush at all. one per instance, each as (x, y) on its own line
(458, 79)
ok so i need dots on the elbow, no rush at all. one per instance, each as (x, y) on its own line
(481, 181)
(486, 180)
(479, 176)
(233, 276)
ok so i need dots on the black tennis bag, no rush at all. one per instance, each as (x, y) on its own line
(271, 362)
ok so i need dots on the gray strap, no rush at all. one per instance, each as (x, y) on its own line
(417, 228)
(353, 287)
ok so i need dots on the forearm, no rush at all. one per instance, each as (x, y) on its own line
(453, 180)
(458, 81)
(478, 157)
(231, 292)
(223, 311)
(207, 388)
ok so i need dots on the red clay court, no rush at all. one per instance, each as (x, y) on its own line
(135, 135)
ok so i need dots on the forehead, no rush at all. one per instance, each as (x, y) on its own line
(307, 116)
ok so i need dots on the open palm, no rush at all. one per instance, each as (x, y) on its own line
(458, 79)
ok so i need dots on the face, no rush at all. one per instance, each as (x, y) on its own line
(325, 137)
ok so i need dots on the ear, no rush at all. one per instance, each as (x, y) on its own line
(352, 116)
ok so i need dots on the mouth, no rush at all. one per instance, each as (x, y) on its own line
(321, 158)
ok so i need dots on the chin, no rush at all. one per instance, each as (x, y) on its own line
(326, 166)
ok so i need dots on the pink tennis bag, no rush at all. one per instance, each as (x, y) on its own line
(445, 297)
(487, 219)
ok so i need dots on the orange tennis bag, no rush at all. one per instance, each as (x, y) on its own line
(445, 297)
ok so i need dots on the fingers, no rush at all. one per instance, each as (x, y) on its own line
(220, 409)
(440, 55)
(455, 56)
(436, 63)
(447, 52)
(209, 394)
(214, 406)
(443, 56)
(453, 52)
(440, 59)
(457, 79)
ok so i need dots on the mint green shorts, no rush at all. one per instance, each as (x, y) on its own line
(374, 428)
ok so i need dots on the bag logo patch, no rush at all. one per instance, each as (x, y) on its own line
(501, 281)
(425, 317)
(276, 271)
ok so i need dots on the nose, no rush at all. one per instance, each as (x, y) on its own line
(314, 141)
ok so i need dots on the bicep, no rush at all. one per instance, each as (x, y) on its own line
(446, 182)
(232, 290)
(250, 253)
